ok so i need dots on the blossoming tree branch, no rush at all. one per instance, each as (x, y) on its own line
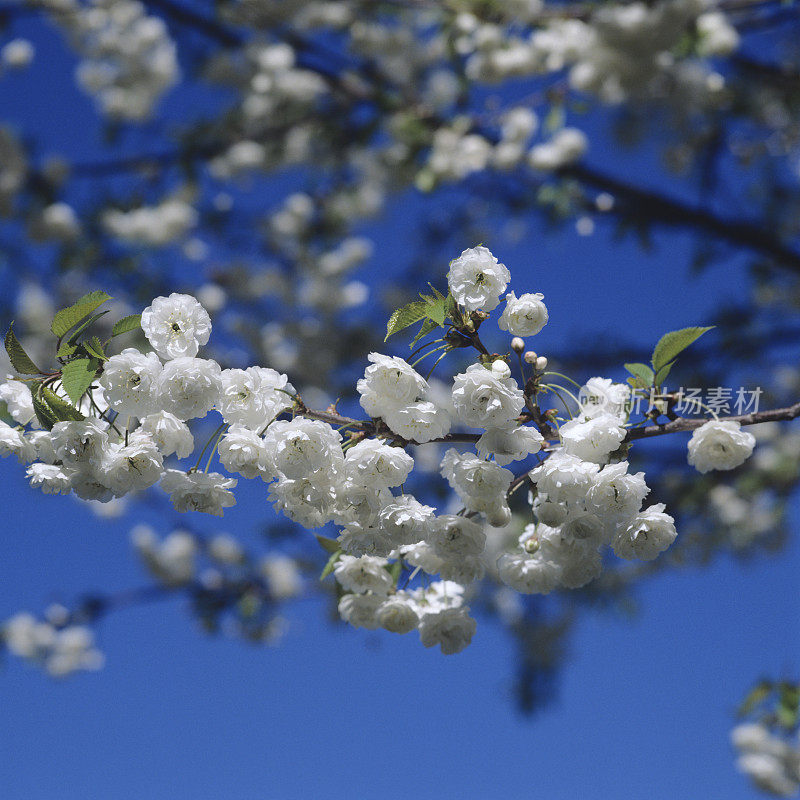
(105, 425)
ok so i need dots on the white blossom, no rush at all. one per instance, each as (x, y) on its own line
(361, 610)
(592, 439)
(525, 315)
(13, 442)
(372, 463)
(650, 533)
(133, 466)
(397, 616)
(307, 501)
(209, 493)
(406, 520)
(50, 478)
(171, 560)
(455, 537)
(170, 434)
(389, 384)
(19, 401)
(176, 326)
(509, 444)
(602, 396)
(253, 397)
(189, 387)
(452, 629)
(129, 382)
(240, 450)
(477, 279)
(720, 444)
(482, 400)
(302, 447)
(363, 574)
(529, 574)
(419, 422)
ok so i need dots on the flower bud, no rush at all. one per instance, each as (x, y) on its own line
(517, 344)
(541, 364)
(501, 369)
(531, 545)
(530, 357)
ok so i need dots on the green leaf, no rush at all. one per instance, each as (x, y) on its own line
(436, 309)
(62, 410)
(427, 327)
(5, 416)
(68, 318)
(405, 316)
(95, 347)
(84, 325)
(642, 373)
(395, 569)
(66, 350)
(327, 544)
(20, 360)
(755, 697)
(127, 324)
(331, 565)
(44, 414)
(673, 343)
(77, 377)
(661, 375)
(789, 705)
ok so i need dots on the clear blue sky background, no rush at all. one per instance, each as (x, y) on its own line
(644, 707)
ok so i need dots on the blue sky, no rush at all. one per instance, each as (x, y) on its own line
(644, 706)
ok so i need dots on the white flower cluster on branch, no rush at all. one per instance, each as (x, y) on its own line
(115, 434)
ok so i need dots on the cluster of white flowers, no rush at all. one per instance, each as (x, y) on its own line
(59, 646)
(584, 497)
(771, 762)
(128, 58)
(152, 226)
(176, 560)
(584, 502)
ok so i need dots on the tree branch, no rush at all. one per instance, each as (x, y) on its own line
(677, 214)
(681, 425)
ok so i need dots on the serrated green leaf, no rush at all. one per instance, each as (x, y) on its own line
(84, 325)
(673, 343)
(327, 544)
(44, 414)
(428, 326)
(20, 360)
(436, 310)
(127, 324)
(61, 409)
(66, 319)
(331, 565)
(77, 377)
(661, 375)
(451, 307)
(66, 350)
(642, 373)
(405, 316)
(95, 347)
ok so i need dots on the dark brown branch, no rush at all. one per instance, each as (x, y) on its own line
(675, 213)
(682, 425)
